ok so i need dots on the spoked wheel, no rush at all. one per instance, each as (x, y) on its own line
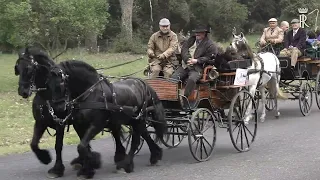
(257, 98)
(202, 134)
(317, 89)
(174, 134)
(242, 135)
(126, 140)
(305, 99)
(270, 102)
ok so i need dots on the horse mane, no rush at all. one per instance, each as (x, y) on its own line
(248, 51)
(80, 70)
(39, 55)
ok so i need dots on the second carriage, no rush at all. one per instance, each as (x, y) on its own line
(303, 82)
(214, 103)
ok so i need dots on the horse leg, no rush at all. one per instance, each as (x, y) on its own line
(77, 163)
(43, 155)
(58, 169)
(263, 103)
(274, 93)
(155, 150)
(127, 164)
(248, 115)
(91, 160)
(120, 153)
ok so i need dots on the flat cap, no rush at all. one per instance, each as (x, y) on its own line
(295, 21)
(164, 22)
(273, 20)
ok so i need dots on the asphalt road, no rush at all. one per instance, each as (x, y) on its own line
(285, 149)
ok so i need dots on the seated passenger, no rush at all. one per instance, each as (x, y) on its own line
(161, 48)
(312, 39)
(196, 52)
(284, 25)
(272, 34)
(295, 43)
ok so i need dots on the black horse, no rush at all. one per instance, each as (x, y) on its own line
(33, 67)
(77, 86)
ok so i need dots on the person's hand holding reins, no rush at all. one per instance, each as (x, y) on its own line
(161, 56)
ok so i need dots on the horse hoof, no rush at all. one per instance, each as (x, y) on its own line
(53, 175)
(83, 177)
(156, 157)
(262, 120)
(129, 168)
(76, 166)
(85, 174)
(56, 171)
(44, 156)
(119, 171)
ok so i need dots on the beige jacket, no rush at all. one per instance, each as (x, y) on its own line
(277, 35)
(162, 44)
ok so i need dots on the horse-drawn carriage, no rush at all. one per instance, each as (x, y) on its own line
(205, 111)
(303, 81)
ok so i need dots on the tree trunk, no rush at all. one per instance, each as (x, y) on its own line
(126, 18)
(91, 42)
(164, 8)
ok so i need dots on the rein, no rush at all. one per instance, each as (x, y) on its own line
(129, 62)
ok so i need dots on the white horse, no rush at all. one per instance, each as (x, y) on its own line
(265, 70)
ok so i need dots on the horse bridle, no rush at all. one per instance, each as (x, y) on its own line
(34, 67)
(63, 87)
(236, 42)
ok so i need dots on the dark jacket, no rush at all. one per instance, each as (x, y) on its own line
(299, 40)
(204, 53)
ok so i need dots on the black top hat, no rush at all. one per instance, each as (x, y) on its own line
(201, 28)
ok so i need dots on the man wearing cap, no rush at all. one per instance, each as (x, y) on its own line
(161, 48)
(295, 42)
(197, 52)
(272, 34)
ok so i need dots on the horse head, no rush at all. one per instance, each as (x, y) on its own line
(69, 80)
(32, 67)
(240, 45)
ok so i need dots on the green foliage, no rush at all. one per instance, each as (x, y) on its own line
(121, 44)
(56, 24)
(51, 23)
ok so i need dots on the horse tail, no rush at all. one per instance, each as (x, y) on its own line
(158, 116)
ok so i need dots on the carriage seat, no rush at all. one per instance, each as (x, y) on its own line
(234, 65)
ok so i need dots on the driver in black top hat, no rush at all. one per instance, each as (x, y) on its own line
(197, 52)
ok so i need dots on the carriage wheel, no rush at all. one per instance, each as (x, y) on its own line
(174, 135)
(242, 135)
(305, 99)
(270, 102)
(202, 134)
(257, 98)
(127, 139)
(317, 89)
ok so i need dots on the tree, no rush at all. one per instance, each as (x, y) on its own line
(126, 18)
(52, 23)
